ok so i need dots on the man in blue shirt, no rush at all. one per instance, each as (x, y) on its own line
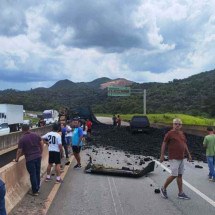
(2, 198)
(77, 142)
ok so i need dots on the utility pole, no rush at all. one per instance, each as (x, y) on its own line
(144, 101)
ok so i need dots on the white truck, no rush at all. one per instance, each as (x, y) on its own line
(12, 115)
(50, 116)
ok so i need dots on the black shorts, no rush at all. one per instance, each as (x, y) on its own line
(54, 157)
(76, 149)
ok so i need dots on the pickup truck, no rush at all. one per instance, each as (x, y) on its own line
(139, 124)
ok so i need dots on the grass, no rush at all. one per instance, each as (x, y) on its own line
(168, 117)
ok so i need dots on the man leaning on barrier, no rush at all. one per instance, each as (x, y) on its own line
(31, 145)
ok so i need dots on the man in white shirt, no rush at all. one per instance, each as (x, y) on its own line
(53, 139)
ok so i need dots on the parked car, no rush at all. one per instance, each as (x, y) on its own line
(4, 129)
(139, 124)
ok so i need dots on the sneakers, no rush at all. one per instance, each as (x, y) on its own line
(33, 194)
(211, 179)
(164, 193)
(48, 179)
(77, 166)
(183, 196)
(58, 181)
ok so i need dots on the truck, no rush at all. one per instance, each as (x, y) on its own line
(12, 115)
(50, 116)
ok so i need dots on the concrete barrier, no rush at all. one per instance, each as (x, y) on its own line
(198, 130)
(11, 140)
(17, 179)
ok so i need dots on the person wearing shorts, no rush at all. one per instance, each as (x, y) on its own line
(77, 142)
(54, 142)
(176, 143)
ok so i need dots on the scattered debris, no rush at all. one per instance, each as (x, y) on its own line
(157, 191)
(198, 166)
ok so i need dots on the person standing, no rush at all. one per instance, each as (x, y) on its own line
(63, 139)
(114, 120)
(118, 120)
(53, 139)
(68, 137)
(2, 198)
(176, 142)
(209, 144)
(89, 127)
(77, 142)
(31, 145)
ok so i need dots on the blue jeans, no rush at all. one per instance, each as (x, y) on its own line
(2, 198)
(33, 168)
(211, 165)
(68, 140)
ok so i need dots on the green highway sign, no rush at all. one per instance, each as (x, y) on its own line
(119, 91)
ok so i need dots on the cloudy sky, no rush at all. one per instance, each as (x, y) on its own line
(42, 42)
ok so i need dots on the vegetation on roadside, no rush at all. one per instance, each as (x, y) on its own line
(192, 96)
(168, 117)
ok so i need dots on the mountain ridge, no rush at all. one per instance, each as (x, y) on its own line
(193, 95)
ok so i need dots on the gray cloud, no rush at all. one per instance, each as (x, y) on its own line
(46, 41)
(13, 16)
(102, 24)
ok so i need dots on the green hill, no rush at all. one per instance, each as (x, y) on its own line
(194, 95)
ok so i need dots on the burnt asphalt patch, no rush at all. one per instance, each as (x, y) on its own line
(146, 144)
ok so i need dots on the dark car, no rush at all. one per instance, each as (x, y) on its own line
(139, 124)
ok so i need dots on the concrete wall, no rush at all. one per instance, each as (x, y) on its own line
(190, 129)
(11, 140)
(17, 179)
(15, 175)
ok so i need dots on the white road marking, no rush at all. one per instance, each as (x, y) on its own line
(117, 194)
(202, 195)
(114, 203)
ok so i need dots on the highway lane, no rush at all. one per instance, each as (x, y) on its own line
(83, 193)
(7, 157)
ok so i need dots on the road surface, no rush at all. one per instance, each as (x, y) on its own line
(89, 194)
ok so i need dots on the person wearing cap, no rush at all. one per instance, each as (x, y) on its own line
(77, 141)
(31, 145)
(176, 143)
(209, 144)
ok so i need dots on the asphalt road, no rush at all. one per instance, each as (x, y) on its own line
(88, 194)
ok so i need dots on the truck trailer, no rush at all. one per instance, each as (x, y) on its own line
(50, 116)
(12, 115)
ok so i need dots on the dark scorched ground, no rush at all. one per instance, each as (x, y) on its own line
(146, 144)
